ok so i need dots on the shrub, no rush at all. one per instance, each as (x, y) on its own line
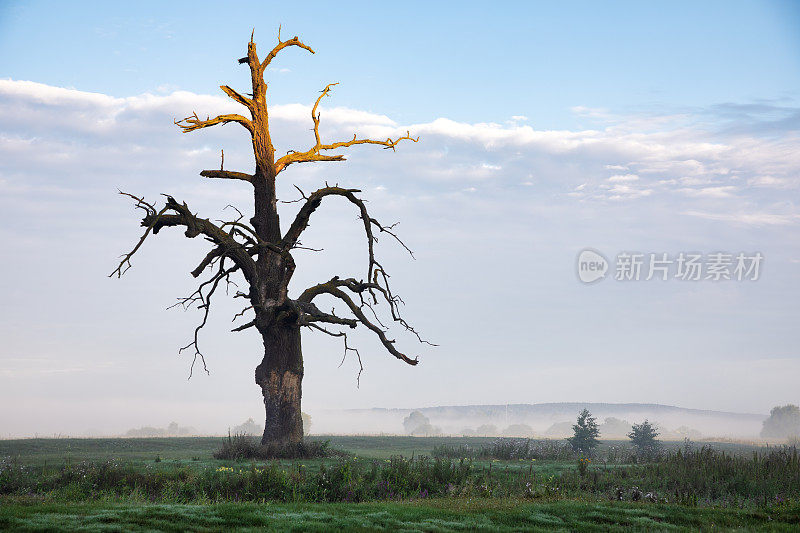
(643, 438)
(239, 446)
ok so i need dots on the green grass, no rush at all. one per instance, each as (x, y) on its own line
(437, 515)
(174, 484)
(59, 451)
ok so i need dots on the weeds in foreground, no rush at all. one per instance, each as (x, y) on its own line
(694, 477)
(343, 480)
(513, 449)
(508, 449)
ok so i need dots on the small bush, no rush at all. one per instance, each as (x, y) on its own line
(643, 438)
(238, 447)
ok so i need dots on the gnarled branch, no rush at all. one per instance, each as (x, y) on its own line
(227, 174)
(154, 216)
(294, 41)
(333, 289)
(205, 304)
(313, 153)
(347, 348)
(314, 200)
(193, 122)
(176, 214)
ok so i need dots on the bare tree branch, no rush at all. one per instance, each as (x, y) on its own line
(175, 214)
(294, 41)
(236, 96)
(193, 122)
(333, 290)
(242, 312)
(227, 174)
(377, 283)
(314, 200)
(208, 260)
(313, 153)
(347, 348)
(243, 327)
(359, 287)
(125, 264)
(308, 313)
(203, 302)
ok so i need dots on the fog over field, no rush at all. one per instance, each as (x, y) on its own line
(545, 420)
(550, 420)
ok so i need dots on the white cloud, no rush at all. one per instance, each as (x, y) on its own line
(626, 192)
(624, 177)
(590, 112)
(755, 219)
(769, 181)
(710, 192)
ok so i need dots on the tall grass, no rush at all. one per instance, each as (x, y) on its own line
(711, 475)
(240, 446)
(691, 477)
(342, 480)
(508, 449)
(702, 476)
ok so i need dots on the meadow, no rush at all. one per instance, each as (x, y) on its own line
(396, 483)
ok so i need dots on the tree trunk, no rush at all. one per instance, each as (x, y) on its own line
(280, 377)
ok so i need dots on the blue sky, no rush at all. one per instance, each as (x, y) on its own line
(468, 61)
(544, 129)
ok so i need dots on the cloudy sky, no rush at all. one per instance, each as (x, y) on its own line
(625, 128)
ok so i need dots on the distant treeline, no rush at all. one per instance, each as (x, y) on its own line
(172, 430)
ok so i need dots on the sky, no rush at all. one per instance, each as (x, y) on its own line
(544, 130)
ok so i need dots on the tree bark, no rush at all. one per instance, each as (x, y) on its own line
(280, 377)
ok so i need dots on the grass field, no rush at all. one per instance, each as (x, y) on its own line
(175, 484)
(435, 515)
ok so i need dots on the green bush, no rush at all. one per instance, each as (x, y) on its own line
(643, 438)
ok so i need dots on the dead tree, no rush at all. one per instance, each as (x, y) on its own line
(261, 253)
